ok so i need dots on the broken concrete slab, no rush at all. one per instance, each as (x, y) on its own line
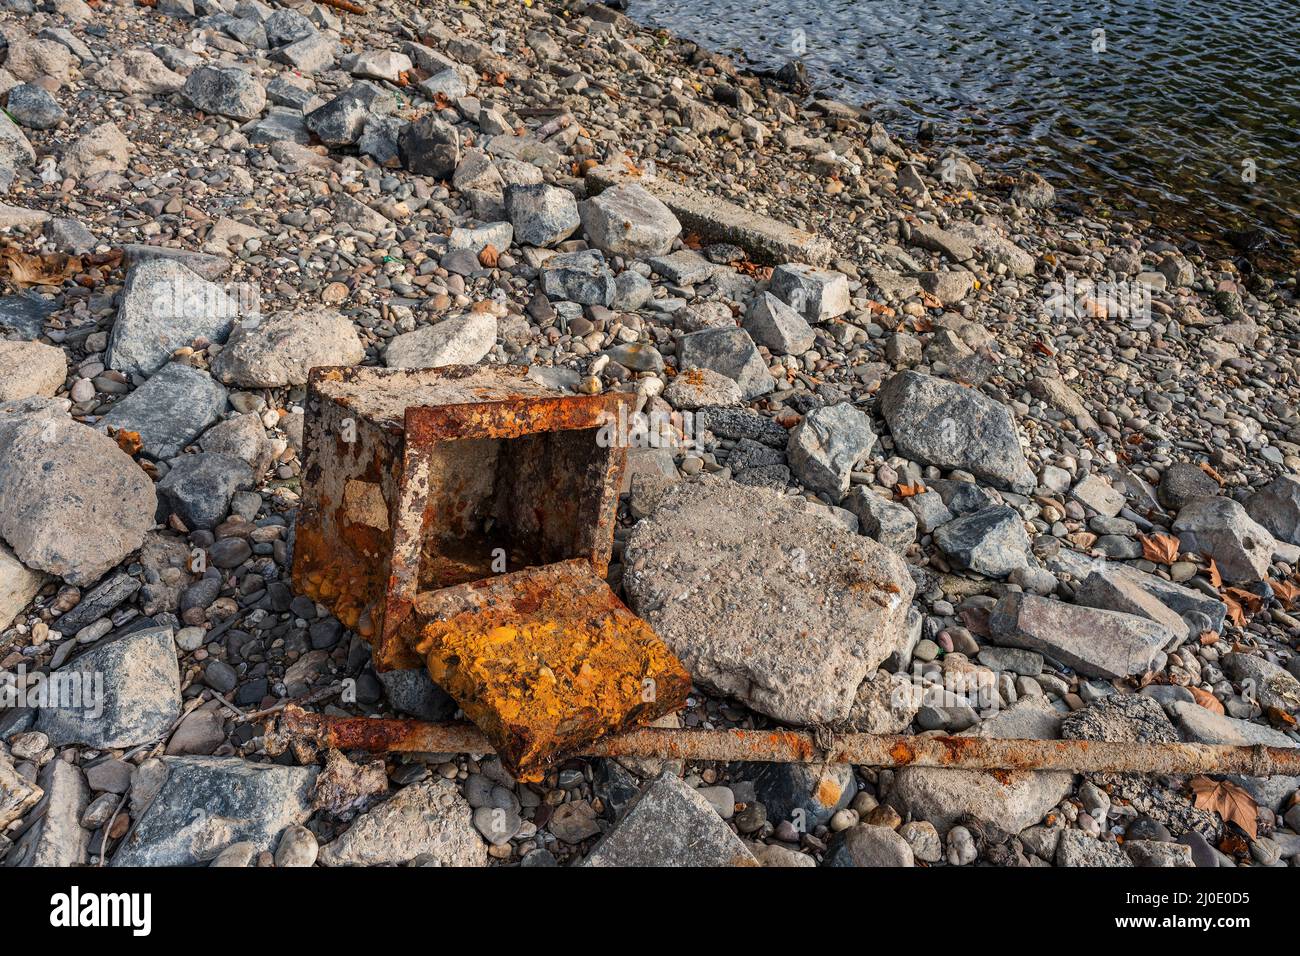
(1123, 593)
(670, 824)
(1094, 642)
(427, 819)
(819, 295)
(716, 220)
(207, 803)
(763, 600)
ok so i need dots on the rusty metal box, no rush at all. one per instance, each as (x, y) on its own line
(479, 496)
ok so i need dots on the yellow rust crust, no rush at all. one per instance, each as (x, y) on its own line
(547, 671)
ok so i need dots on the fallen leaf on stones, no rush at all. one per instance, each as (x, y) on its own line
(1286, 591)
(130, 442)
(49, 268)
(1208, 637)
(1160, 548)
(1236, 613)
(1228, 800)
(1280, 718)
(488, 257)
(1215, 577)
(1205, 699)
(907, 491)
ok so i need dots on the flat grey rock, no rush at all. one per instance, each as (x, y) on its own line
(208, 803)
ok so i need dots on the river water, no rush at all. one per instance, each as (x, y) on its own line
(1185, 111)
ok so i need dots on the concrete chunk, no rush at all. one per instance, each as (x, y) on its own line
(716, 220)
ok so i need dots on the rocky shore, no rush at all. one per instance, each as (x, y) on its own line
(1068, 449)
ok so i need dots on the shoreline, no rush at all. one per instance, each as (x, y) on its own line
(945, 456)
(1259, 240)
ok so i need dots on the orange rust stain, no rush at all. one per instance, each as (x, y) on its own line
(901, 753)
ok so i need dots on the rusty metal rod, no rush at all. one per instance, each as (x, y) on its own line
(789, 746)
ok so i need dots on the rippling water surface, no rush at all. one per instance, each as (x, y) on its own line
(1169, 108)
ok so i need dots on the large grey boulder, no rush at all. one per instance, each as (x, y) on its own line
(198, 489)
(542, 215)
(779, 328)
(1007, 802)
(170, 410)
(1276, 507)
(869, 846)
(281, 349)
(16, 150)
(669, 824)
(730, 352)
(166, 306)
(826, 445)
(992, 541)
(207, 803)
(430, 146)
(341, 121)
(225, 91)
(816, 294)
(429, 819)
(130, 693)
(763, 599)
(582, 277)
(1221, 529)
(889, 522)
(626, 220)
(1094, 642)
(72, 503)
(941, 423)
(1270, 684)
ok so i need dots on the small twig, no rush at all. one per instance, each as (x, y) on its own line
(103, 844)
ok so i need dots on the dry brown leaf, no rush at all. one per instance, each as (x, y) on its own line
(1215, 577)
(1251, 602)
(907, 491)
(1236, 613)
(1286, 591)
(130, 442)
(488, 257)
(1205, 699)
(1160, 548)
(50, 268)
(1208, 637)
(1228, 800)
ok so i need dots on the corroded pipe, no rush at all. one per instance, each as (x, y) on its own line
(789, 746)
